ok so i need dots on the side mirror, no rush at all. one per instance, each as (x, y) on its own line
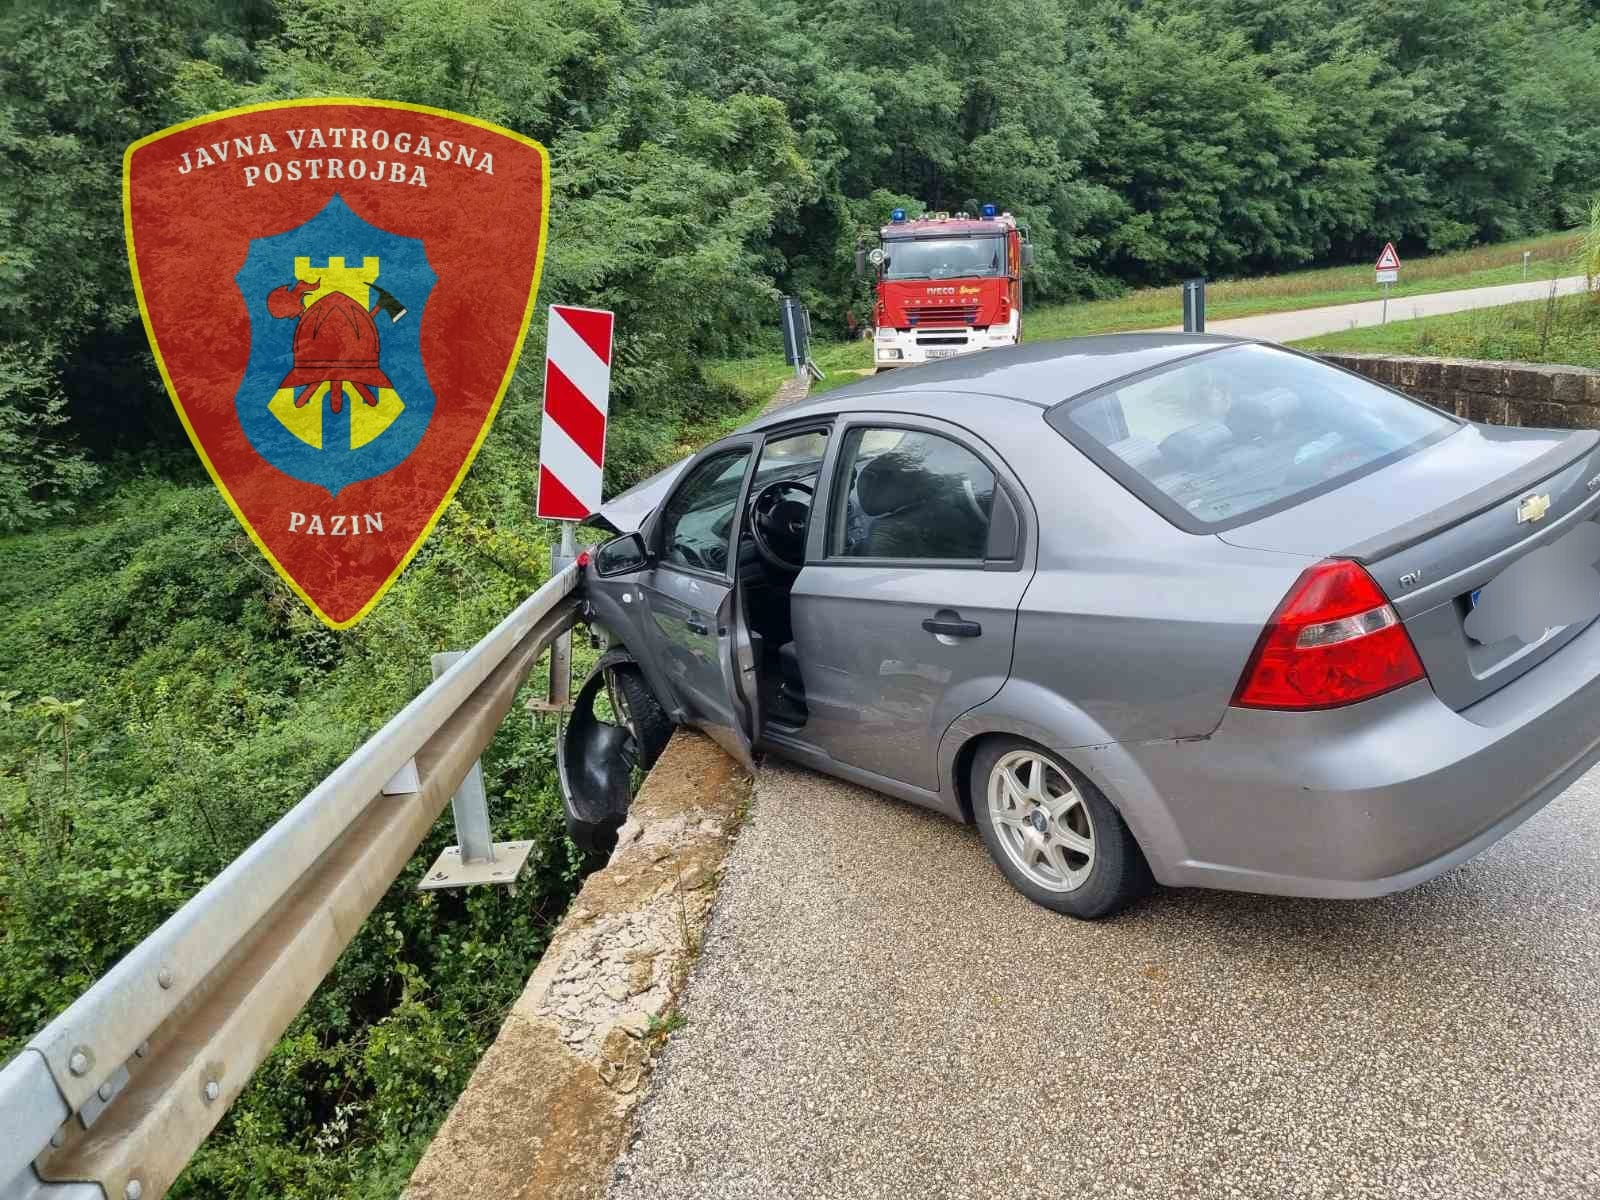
(1027, 254)
(861, 260)
(621, 555)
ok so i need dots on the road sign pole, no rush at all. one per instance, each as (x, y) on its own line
(1388, 273)
(561, 649)
(577, 388)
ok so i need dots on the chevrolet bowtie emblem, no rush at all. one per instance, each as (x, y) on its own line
(1532, 508)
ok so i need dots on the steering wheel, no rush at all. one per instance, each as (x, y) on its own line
(778, 524)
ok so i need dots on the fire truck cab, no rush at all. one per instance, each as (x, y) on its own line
(946, 285)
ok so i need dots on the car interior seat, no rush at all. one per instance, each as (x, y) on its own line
(918, 512)
(1262, 414)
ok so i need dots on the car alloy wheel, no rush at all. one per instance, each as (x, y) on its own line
(1041, 821)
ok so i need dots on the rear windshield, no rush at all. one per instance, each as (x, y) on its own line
(1224, 438)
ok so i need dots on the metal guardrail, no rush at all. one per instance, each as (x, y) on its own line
(111, 1099)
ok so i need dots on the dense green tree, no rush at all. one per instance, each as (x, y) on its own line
(1202, 152)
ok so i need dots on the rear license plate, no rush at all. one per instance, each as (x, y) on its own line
(1547, 588)
(943, 353)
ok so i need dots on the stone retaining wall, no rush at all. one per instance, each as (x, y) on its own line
(1500, 393)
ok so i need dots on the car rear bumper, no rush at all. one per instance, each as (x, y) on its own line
(1373, 798)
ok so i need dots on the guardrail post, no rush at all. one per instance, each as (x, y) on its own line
(559, 695)
(475, 858)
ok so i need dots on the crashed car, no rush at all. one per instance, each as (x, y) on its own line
(1144, 608)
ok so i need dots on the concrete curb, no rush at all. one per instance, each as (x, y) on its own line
(548, 1108)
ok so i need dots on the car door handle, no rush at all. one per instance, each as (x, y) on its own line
(949, 624)
(696, 625)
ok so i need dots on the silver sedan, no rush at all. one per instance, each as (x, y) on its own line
(1146, 608)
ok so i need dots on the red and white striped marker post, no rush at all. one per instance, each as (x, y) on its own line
(577, 384)
(572, 442)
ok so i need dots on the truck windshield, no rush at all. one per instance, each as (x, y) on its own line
(943, 258)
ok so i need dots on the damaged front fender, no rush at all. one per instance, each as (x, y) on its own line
(599, 761)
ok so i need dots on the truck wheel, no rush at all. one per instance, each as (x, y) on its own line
(615, 734)
(1051, 832)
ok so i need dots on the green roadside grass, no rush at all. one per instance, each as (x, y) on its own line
(757, 377)
(1550, 256)
(1483, 266)
(1565, 330)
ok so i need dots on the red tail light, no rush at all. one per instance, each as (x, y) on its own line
(1334, 640)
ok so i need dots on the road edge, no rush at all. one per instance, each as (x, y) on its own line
(550, 1104)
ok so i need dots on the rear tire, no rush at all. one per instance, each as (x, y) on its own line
(1052, 833)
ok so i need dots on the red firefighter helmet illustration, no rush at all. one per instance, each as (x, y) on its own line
(336, 341)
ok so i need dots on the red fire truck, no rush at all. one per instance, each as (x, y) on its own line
(947, 285)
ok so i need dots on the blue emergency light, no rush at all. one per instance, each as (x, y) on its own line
(989, 211)
(897, 215)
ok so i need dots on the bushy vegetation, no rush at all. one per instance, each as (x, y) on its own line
(163, 698)
(166, 700)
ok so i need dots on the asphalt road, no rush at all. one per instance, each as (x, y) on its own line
(1309, 322)
(876, 1014)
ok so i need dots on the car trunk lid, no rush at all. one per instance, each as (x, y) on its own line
(1435, 527)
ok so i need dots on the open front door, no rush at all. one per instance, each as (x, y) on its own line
(701, 641)
(737, 654)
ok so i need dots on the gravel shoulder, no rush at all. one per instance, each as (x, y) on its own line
(875, 1013)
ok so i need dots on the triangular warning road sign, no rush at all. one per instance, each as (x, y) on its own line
(1388, 260)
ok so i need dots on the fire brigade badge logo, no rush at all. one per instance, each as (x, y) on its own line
(336, 292)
